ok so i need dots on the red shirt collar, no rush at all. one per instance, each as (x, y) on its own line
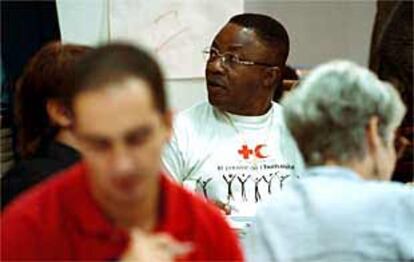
(92, 221)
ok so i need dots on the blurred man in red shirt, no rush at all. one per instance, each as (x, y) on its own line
(115, 205)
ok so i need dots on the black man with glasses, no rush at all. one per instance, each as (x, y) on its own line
(236, 147)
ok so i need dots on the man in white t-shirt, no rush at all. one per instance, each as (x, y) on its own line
(236, 150)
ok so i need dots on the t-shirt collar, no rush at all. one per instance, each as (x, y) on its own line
(92, 220)
(89, 216)
(258, 120)
(333, 171)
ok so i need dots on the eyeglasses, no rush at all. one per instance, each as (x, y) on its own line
(228, 59)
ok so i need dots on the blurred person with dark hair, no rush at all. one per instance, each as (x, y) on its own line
(344, 120)
(235, 149)
(116, 204)
(392, 59)
(45, 139)
(288, 82)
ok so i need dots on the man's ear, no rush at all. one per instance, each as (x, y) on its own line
(58, 113)
(372, 135)
(168, 122)
(272, 75)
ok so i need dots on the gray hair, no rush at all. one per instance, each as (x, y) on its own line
(329, 111)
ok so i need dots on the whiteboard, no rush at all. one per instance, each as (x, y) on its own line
(176, 31)
(83, 22)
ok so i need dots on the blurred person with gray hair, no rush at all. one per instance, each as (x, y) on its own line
(344, 209)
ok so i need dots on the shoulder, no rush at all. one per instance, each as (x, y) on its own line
(193, 122)
(26, 174)
(36, 202)
(391, 195)
(39, 166)
(196, 113)
(34, 222)
(197, 108)
(388, 200)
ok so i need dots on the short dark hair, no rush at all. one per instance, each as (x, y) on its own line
(43, 78)
(114, 63)
(268, 29)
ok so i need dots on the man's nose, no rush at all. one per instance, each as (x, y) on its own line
(216, 64)
(123, 163)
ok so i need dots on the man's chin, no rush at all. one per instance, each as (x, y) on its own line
(217, 101)
(130, 189)
(131, 196)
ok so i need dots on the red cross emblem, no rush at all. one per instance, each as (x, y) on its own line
(245, 151)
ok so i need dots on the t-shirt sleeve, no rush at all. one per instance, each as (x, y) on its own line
(173, 158)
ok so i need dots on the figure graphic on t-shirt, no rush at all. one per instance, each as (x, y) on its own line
(282, 178)
(269, 182)
(257, 195)
(243, 181)
(203, 185)
(229, 180)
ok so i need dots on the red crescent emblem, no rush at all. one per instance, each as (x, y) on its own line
(257, 151)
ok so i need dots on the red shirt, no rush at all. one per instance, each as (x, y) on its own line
(59, 220)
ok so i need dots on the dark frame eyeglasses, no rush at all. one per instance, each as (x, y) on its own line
(229, 59)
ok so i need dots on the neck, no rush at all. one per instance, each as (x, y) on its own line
(254, 110)
(138, 213)
(65, 136)
(362, 168)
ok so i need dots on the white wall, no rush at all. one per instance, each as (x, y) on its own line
(319, 31)
(183, 93)
(83, 21)
(322, 30)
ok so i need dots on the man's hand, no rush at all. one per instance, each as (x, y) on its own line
(146, 247)
(226, 208)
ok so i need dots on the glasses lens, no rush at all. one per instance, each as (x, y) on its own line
(230, 59)
(206, 54)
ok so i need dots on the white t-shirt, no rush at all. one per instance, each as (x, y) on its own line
(238, 160)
